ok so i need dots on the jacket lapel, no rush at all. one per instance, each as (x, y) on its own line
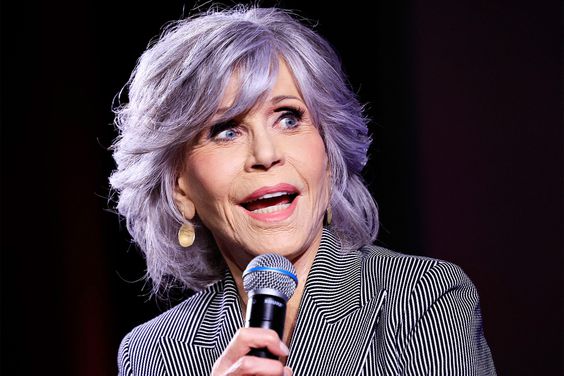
(337, 317)
(193, 352)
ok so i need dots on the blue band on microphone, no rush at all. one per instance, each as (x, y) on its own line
(268, 269)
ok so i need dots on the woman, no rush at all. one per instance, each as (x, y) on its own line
(241, 137)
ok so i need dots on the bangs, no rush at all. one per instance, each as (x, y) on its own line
(253, 77)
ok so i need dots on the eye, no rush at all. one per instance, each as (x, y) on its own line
(289, 121)
(228, 134)
(226, 131)
(291, 117)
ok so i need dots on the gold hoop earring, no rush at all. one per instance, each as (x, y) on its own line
(328, 216)
(186, 235)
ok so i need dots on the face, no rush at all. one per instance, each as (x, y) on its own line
(259, 182)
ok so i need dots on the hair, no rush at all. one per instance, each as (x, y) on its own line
(176, 88)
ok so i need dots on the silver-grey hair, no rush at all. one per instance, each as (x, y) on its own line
(175, 89)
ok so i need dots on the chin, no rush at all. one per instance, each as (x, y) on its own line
(285, 243)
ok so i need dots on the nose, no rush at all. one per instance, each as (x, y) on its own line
(265, 151)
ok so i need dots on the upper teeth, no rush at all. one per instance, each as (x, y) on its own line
(270, 195)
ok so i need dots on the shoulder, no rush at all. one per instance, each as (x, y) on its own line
(139, 351)
(431, 316)
(408, 276)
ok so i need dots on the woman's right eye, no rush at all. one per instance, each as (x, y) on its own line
(226, 131)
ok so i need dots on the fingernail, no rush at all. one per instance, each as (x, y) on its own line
(284, 348)
(288, 371)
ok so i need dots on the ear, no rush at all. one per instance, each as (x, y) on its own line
(182, 198)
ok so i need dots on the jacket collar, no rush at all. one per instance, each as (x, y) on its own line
(334, 304)
(335, 279)
(193, 352)
(337, 315)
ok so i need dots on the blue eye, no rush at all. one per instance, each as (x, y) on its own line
(289, 122)
(224, 131)
(228, 134)
(291, 117)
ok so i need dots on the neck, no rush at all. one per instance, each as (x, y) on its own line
(303, 264)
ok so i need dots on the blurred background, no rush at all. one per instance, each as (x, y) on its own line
(465, 99)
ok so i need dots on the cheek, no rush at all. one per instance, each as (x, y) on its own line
(211, 175)
(313, 160)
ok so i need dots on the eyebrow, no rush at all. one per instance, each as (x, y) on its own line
(280, 98)
(274, 100)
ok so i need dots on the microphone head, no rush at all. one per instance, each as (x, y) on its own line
(270, 274)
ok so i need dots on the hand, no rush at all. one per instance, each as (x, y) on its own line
(235, 361)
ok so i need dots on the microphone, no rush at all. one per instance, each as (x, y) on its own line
(270, 281)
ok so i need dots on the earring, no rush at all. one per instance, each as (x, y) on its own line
(186, 235)
(328, 216)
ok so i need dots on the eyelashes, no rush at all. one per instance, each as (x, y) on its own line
(287, 112)
(290, 118)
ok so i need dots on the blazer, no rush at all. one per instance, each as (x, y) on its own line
(369, 312)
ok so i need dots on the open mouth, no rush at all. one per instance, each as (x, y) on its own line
(270, 202)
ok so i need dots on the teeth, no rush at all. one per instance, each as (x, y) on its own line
(271, 209)
(270, 195)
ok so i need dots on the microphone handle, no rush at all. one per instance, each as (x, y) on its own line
(269, 312)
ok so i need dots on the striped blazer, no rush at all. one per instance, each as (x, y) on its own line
(370, 312)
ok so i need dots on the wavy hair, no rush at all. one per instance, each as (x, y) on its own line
(174, 91)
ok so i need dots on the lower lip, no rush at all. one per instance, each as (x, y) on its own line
(276, 216)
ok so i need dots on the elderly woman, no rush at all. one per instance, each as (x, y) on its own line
(241, 137)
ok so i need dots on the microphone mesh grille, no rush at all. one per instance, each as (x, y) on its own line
(270, 279)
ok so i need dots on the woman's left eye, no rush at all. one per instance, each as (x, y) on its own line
(289, 121)
(290, 118)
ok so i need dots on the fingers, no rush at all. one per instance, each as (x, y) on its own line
(235, 359)
(251, 365)
(254, 338)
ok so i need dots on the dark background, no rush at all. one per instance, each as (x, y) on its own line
(467, 165)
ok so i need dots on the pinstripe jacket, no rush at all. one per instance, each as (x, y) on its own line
(371, 312)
